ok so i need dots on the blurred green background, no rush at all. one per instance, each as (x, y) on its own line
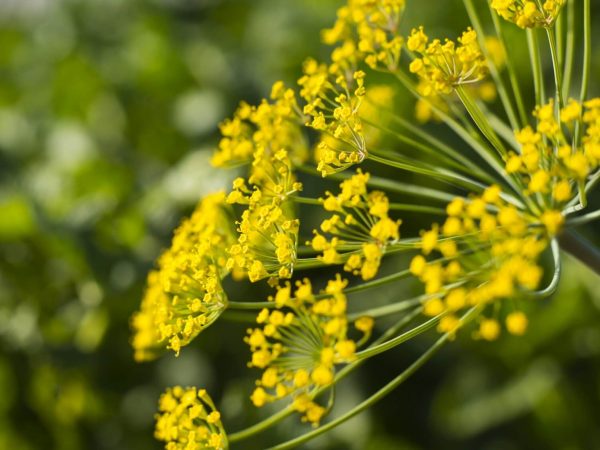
(108, 114)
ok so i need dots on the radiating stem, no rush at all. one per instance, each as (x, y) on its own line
(381, 393)
(587, 62)
(536, 66)
(502, 91)
(480, 120)
(582, 220)
(556, 69)
(512, 74)
(570, 49)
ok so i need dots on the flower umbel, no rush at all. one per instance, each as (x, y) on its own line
(188, 420)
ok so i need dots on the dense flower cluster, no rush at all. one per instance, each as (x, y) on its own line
(488, 251)
(360, 227)
(268, 229)
(185, 294)
(188, 420)
(443, 66)
(550, 162)
(368, 30)
(300, 343)
(529, 13)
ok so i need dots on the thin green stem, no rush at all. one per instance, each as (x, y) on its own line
(249, 305)
(582, 220)
(379, 394)
(556, 69)
(502, 91)
(482, 150)
(443, 148)
(282, 414)
(570, 49)
(444, 175)
(587, 63)
(512, 73)
(553, 285)
(389, 185)
(387, 310)
(385, 346)
(480, 120)
(536, 66)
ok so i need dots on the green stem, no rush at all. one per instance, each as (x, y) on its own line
(582, 220)
(387, 310)
(381, 393)
(556, 70)
(570, 49)
(583, 250)
(553, 285)
(444, 175)
(249, 305)
(512, 73)
(536, 67)
(372, 351)
(443, 148)
(389, 185)
(482, 150)
(502, 91)
(587, 62)
(480, 120)
(282, 414)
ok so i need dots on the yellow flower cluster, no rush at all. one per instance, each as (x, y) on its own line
(442, 67)
(188, 420)
(485, 90)
(268, 230)
(529, 13)
(487, 251)
(549, 163)
(263, 129)
(367, 30)
(333, 98)
(300, 343)
(185, 295)
(360, 227)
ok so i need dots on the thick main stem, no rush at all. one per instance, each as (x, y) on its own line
(580, 248)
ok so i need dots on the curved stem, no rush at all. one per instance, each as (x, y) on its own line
(553, 285)
(387, 310)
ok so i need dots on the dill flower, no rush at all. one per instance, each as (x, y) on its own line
(188, 420)
(267, 228)
(368, 30)
(360, 227)
(529, 13)
(300, 343)
(333, 98)
(185, 295)
(442, 67)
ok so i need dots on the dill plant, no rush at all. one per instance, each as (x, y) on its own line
(517, 186)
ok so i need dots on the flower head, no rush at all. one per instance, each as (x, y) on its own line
(300, 343)
(188, 420)
(360, 228)
(184, 295)
(444, 66)
(529, 13)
